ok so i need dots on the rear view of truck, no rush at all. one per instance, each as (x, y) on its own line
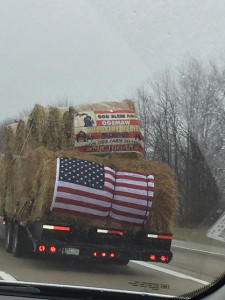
(98, 244)
(101, 200)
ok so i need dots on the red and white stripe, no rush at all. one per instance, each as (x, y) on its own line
(126, 197)
(82, 200)
(157, 236)
(132, 197)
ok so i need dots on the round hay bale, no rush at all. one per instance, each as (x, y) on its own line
(20, 137)
(54, 131)
(68, 129)
(32, 180)
(36, 127)
(5, 183)
(14, 127)
(8, 141)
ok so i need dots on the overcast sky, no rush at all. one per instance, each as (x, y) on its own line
(95, 50)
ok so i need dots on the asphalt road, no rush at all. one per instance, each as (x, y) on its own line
(193, 267)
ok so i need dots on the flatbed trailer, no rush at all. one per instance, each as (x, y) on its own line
(99, 244)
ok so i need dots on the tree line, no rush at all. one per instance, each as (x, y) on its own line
(183, 122)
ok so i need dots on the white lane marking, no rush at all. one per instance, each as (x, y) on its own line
(173, 273)
(198, 250)
(7, 277)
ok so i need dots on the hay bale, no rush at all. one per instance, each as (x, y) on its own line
(2, 185)
(20, 137)
(68, 129)
(111, 105)
(36, 127)
(6, 174)
(54, 131)
(164, 205)
(23, 186)
(14, 127)
(8, 141)
(33, 180)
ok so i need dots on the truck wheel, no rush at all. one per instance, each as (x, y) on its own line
(8, 237)
(16, 241)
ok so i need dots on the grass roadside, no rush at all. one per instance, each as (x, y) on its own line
(196, 236)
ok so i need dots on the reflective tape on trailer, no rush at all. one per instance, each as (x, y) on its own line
(53, 227)
(158, 236)
(109, 231)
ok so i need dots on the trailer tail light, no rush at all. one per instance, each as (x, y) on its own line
(103, 254)
(164, 258)
(95, 254)
(112, 255)
(41, 248)
(152, 257)
(52, 249)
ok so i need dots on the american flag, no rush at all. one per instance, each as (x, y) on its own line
(84, 188)
(93, 190)
(132, 197)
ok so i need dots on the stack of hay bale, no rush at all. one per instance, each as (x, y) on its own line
(27, 182)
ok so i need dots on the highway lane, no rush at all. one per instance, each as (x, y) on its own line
(200, 269)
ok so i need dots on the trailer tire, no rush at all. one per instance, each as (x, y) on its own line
(8, 237)
(123, 261)
(17, 241)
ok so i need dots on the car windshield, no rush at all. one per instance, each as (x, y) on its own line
(112, 144)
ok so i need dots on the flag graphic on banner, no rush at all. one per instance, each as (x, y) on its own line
(93, 190)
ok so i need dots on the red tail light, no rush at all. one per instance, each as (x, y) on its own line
(103, 254)
(164, 258)
(112, 255)
(152, 257)
(53, 249)
(95, 254)
(41, 248)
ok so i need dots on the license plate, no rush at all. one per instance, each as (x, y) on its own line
(72, 251)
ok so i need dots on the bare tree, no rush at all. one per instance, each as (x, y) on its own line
(184, 126)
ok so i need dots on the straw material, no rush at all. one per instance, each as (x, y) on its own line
(33, 178)
(36, 127)
(8, 141)
(20, 137)
(68, 129)
(122, 105)
(5, 177)
(53, 135)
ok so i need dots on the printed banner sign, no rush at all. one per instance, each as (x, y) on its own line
(217, 231)
(108, 131)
